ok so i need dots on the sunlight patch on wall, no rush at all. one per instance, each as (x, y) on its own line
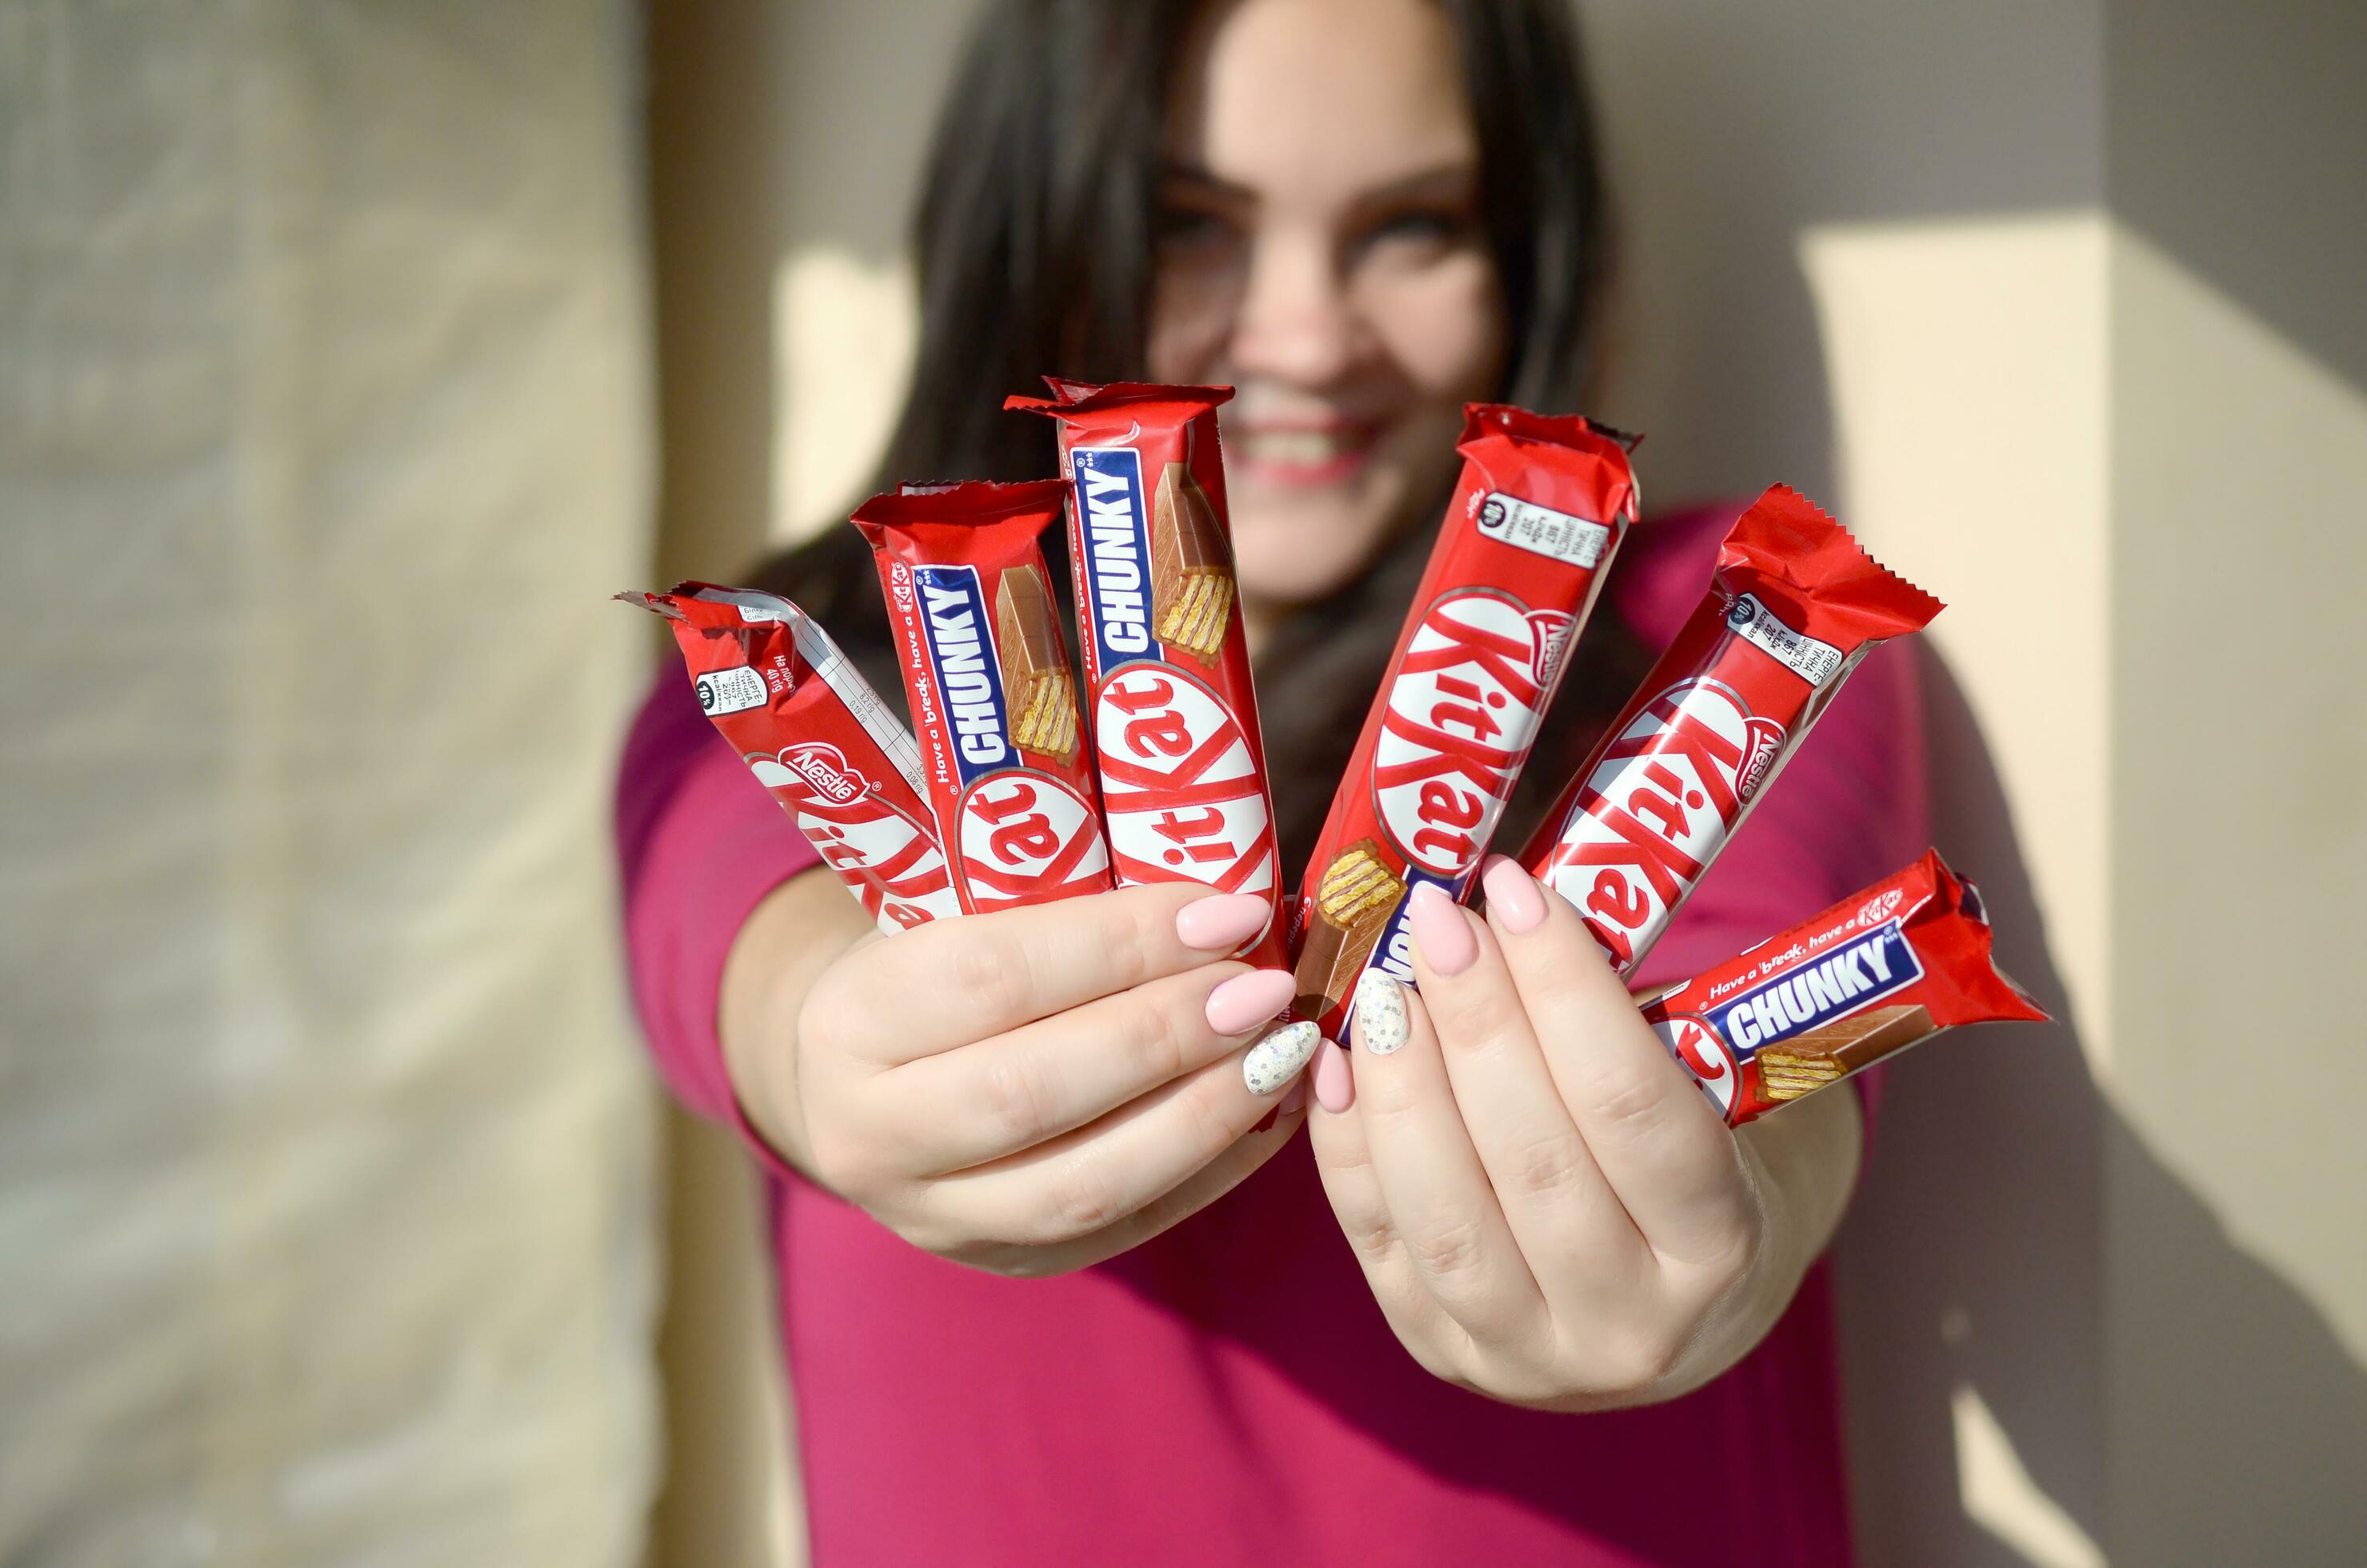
(1969, 389)
(2000, 1495)
(842, 342)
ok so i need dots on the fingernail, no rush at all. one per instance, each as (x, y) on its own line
(1335, 1082)
(1381, 1012)
(1275, 1060)
(1221, 923)
(1292, 1101)
(1244, 1002)
(1513, 896)
(1440, 930)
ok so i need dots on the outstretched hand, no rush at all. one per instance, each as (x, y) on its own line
(1546, 1207)
(1033, 1090)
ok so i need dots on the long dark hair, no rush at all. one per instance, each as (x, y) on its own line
(1034, 242)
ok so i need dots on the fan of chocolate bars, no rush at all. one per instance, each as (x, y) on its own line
(1009, 789)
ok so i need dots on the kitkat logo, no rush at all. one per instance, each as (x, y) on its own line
(1655, 810)
(1179, 790)
(1025, 838)
(1880, 907)
(1460, 721)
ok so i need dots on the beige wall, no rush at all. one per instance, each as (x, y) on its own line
(2051, 299)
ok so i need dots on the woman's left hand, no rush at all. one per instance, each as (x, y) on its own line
(1547, 1209)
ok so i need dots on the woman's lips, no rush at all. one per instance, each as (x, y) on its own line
(1300, 455)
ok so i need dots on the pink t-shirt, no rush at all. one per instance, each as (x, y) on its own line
(1229, 1393)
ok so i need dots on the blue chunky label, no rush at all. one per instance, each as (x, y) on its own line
(969, 679)
(1114, 516)
(1861, 972)
(1393, 953)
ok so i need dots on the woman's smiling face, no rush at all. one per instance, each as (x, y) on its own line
(1320, 250)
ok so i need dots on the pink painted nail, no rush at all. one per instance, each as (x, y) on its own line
(1244, 1002)
(1441, 932)
(1221, 923)
(1335, 1082)
(1513, 896)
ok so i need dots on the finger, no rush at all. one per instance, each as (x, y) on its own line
(982, 1101)
(1666, 1154)
(1437, 1191)
(1343, 1159)
(953, 982)
(1204, 1186)
(1569, 1222)
(1083, 1181)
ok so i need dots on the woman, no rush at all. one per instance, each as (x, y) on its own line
(1362, 213)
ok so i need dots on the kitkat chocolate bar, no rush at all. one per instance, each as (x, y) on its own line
(817, 737)
(1793, 605)
(1535, 519)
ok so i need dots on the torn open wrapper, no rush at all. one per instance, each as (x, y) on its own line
(816, 735)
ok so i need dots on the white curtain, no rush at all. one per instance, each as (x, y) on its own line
(326, 1222)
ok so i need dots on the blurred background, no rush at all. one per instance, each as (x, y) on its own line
(351, 353)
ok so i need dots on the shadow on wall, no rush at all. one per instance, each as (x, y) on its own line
(1974, 1260)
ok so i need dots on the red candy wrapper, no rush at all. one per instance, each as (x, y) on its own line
(820, 739)
(1794, 603)
(1886, 966)
(1173, 716)
(993, 705)
(1541, 507)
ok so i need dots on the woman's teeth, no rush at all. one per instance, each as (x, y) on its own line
(1296, 449)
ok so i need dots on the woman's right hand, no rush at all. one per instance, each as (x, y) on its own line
(1038, 1089)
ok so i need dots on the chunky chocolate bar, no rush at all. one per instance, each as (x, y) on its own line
(1886, 966)
(994, 713)
(1168, 709)
(1358, 886)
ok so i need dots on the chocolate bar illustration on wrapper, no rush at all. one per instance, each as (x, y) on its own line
(1352, 907)
(1829, 1054)
(1034, 672)
(1191, 568)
